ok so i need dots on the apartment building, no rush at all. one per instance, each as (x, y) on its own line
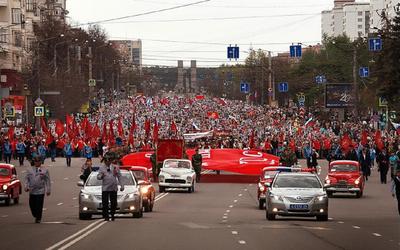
(130, 50)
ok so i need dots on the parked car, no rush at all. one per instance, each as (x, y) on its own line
(177, 173)
(146, 188)
(10, 185)
(129, 200)
(345, 177)
(297, 194)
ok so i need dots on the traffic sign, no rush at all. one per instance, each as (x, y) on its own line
(244, 87)
(233, 52)
(39, 111)
(39, 102)
(320, 79)
(92, 83)
(383, 102)
(375, 44)
(295, 51)
(364, 72)
(283, 87)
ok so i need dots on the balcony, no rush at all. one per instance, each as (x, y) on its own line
(3, 3)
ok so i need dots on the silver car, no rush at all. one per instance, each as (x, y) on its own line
(129, 200)
(297, 194)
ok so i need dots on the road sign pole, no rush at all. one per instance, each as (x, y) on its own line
(270, 78)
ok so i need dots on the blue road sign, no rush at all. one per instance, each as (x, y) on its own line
(320, 79)
(244, 87)
(295, 50)
(283, 87)
(233, 52)
(375, 44)
(364, 72)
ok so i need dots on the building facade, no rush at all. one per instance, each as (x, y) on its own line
(130, 50)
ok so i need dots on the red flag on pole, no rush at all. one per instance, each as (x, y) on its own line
(11, 133)
(252, 141)
(120, 129)
(105, 134)
(173, 127)
(346, 142)
(378, 140)
(111, 134)
(364, 138)
(43, 125)
(59, 128)
(147, 127)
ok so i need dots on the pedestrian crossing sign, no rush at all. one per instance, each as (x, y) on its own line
(39, 111)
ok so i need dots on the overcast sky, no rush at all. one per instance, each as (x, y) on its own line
(266, 24)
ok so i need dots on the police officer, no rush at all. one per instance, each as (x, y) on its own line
(37, 183)
(21, 151)
(110, 175)
(154, 166)
(197, 161)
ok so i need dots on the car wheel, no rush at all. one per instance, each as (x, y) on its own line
(330, 194)
(270, 216)
(359, 194)
(261, 204)
(138, 214)
(161, 189)
(83, 216)
(192, 187)
(322, 217)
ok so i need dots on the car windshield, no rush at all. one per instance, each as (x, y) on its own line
(139, 174)
(297, 181)
(344, 168)
(269, 174)
(126, 178)
(4, 172)
(177, 164)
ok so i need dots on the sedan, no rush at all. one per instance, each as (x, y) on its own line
(129, 200)
(297, 194)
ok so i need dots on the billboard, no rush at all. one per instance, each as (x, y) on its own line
(339, 95)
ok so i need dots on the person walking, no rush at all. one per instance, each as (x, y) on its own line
(21, 147)
(42, 150)
(53, 149)
(37, 183)
(365, 163)
(383, 165)
(110, 175)
(396, 188)
(197, 161)
(68, 152)
(87, 150)
(7, 149)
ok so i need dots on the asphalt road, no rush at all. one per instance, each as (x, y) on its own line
(216, 216)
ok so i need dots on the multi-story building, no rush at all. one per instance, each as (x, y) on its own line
(130, 50)
(356, 19)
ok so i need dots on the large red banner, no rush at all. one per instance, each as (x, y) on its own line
(231, 160)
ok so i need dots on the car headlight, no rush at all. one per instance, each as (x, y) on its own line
(131, 196)
(357, 181)
(161, 178)
(85, 196)
(144, 190)
(5, 187)
(327, 180)
(189, 179)
(276, 197)
(322, 197)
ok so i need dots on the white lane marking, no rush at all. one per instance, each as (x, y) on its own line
(235, 201)
(356, 227)
(228, 211)
(225, 217)
(235, 232)
(340, 222)
(242, 242)
(224, 221)
(76, 206)
(82, 236)
(229, 226)
(250, 185)
(159, 197)
(74, 198)
(66, 179)
(225, 214)
(240, 195)
(231, 206)
(59, 204)
(376, 234)
(330, 218)
(245, 189)
(53, 222)
(4, 216)
(44, 209)
(74, 235)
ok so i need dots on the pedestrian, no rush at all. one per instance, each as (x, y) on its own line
(352, 154)
(154, 170)
(53, 149)
(396, 189)
(7, 150)
(383, 165)
(197, 161)
(87, 150)
(37, 183)
(394, 164)
(312, 160)
(110, 175)
(68, 152)
(42, 150)
(21, 147)
(86, 170)
(365, 163)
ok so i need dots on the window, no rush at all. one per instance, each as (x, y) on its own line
(31, 5)
(359, 27)
(17, 36)
(16, 16)
(360, 13)
(3, 36)
(29, 43)
(360, 20)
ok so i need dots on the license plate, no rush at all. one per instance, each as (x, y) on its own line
(298, 206)
(342, 189)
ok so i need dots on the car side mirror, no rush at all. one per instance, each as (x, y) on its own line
(13, 177)
(80, 184)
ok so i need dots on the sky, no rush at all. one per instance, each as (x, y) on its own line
(203, 31)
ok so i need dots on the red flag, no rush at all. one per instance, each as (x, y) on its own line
(200, 97)
(11, 133)
(213, 115)
(105, 135)
(130, 139)
(133, 126)
(111, 134)
(43, 125)
(59, 128)
(69, 120)
(28, 131)
(155, 132)
(147, 127)
(252, 141)
(84, 123)
(96, 131)
(364, 138)
(88, 130)
(173, 127)
(346, 142)
(378, 140)
(120, 129)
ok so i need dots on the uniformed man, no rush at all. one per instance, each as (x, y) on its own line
(37, 183)
(197, 161)
(110, 175)
(288, 158)
(154, 166)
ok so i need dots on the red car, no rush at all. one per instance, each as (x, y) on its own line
(147, 190)
(344, 177)
(10, 186)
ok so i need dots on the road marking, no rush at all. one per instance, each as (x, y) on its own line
(23, 171)
(250, 185)
(53, 222)
(82, 236)
(229, 226)
(66, 179)
(74, 235)
(228, 211)
(235, 201)
(74, 198)
(245, 189)
(4, 216)
(340, 222)
(59, 204)
(160, 196)
(225, 214)
(240, 195)
(376, 234)
(231, 206)
(242, 242)
(44, 209)
(330, 218)
(224, 217)
(235, 232)
(356, 227)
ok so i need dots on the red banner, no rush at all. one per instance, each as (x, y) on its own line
(230, 160)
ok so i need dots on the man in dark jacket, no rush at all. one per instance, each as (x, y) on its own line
(383, 165)
(197, 161)
(352, 154)
(365, 163)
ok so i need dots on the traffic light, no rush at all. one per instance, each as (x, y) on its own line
(47, 112)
